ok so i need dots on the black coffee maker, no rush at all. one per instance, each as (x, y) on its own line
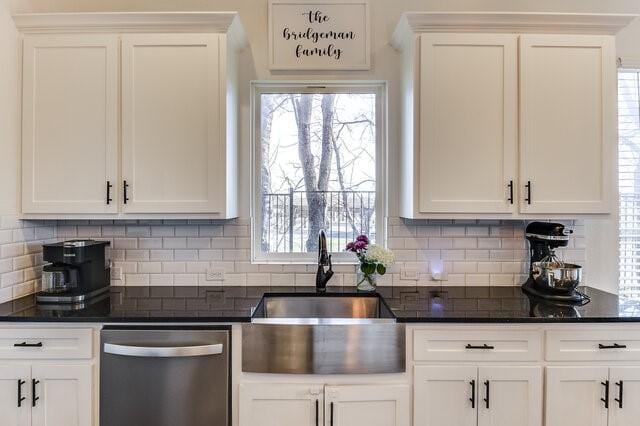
(77, 271)
(544, 238)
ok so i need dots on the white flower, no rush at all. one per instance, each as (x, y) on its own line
(378, 254)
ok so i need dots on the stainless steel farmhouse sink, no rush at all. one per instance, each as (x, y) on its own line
(323, 334)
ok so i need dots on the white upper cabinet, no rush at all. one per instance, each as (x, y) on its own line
(70, 124)
(567, 123)
(173, 112)
(475, 145)
(468, 115)
(171, 143)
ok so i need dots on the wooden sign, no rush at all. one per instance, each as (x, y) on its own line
(324, 35)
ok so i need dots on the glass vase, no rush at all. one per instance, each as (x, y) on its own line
(366, 282)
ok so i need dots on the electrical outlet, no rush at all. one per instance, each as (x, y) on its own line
(409, 274)
(215, 274)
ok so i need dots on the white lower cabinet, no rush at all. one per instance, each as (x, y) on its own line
(593, 396)
(624, 406)
(263, 404)
(46, 394)
(484, 396)
(510, 396)
(276, 404)
(14, 379)
(367, 405)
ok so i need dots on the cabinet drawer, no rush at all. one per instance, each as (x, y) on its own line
(476, 345)
(46, 343)
(593, 345)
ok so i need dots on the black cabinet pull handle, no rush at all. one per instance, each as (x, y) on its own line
(27, 345)
(614, 346)
(125, 187)
(317, 412)
(331, 414)
(109, 186)
(620, 385)
(20, 397)
(510, 199)
(473, 393)
(34, 398)
(486, 387)
(606, 393)
(528, 186)
(485, 346)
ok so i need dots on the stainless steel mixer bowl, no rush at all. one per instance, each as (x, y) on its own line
(557, 276)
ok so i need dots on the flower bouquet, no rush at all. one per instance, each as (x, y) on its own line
(374, 260)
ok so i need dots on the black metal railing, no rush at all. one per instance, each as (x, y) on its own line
(344, 215)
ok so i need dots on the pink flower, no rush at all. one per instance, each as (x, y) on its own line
(363, 238)
(360, 245)
(350, 246)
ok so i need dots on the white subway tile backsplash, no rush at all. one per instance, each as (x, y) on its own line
(210, 254)
(162, 231)
(174, 267)
(179, 252)
(199, 243)
(174, 243)
(158, 255)
(150, 243)
(185, 255)
(186, 231)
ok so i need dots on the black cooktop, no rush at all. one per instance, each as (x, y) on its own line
(409, 304)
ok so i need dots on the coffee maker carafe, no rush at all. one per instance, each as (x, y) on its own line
(77, 270)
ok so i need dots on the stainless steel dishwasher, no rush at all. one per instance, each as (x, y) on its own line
(164, 376)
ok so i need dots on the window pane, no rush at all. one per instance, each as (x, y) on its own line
(318, 170)
(629, 181)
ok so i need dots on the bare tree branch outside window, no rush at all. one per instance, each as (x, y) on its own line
(318, 169)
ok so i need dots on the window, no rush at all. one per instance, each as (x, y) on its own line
(629, 181)
(319, 164)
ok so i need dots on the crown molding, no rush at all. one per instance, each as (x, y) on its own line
(132, 22)
(508, 22)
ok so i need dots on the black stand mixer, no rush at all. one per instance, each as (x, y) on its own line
(550, 278)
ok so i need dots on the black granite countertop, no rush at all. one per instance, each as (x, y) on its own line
(410, 304)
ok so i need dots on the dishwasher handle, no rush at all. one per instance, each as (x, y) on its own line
(162, 351)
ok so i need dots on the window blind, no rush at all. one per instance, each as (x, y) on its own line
(629, 181)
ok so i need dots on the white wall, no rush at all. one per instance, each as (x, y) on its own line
(477, 266)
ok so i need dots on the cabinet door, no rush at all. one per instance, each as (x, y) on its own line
(624, 404)
(281, 405)
(445, 396)
(171, 131)
(468, 123)
(567, 123)
(375, 405)
(15, 383)
(69, 123)
(64, 395)
(573, 396)
(510, 396)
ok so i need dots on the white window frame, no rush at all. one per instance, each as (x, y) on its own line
(317, 87)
